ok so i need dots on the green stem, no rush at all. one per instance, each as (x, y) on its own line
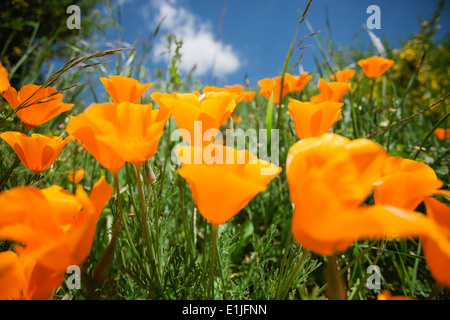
(367, 275)
(74, 168)
(370, 105)
(407, 118)
(283, 267)
(183, 216)
(146, 229)
(336, 288)
(165, 159)
(356, 259)
(292, 275)
(6, 176)
(156, 218)
(416, 267)
(429, 134)
(214, 232)
(354, 116)
(437, 288)
(125, 225)
(224, 285)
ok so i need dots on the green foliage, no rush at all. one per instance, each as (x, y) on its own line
(38, 30)
(256, 255)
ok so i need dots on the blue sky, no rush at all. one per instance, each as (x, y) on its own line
(256, 34)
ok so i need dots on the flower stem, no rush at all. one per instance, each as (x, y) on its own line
(165, 159)
(430, 133)
(283, 267)
(125, 224)
(292, 275)
(214, 232)
(336, 288)
(370, 105)
(356, 259)
(380, 251)
(156, 218)
(6, 176)
(354, 117)
(146, 230)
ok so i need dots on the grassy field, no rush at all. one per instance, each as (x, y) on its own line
(141, 235)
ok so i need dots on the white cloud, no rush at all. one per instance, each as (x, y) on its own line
(124, 2)
(200, 46)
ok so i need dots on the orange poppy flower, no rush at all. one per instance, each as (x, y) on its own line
(290, 83)
(240, 95)
(236, 90)
(237, 119)
(55, 227)
(405, 183)
(267, 87)
(36, 105)
(4, 82)
(11, 276)
(313, 120)
(442, 133)
(332, 91)
(26, 280)
(437, 260)
(336, 178)
(385, 295)
(75, 176)
(37, 152)
(123, 89)
(114, 133)
(247, 96)
(297, 83)
(194, 115)
(222, 179)
(236, 95)
(375, 66)
(343, 75)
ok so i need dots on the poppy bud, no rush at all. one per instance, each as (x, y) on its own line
(149, 174)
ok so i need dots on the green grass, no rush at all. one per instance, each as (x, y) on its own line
(256, 257)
